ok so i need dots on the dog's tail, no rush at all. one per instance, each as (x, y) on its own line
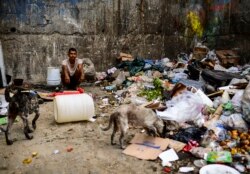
(7, 94)
(111, 121)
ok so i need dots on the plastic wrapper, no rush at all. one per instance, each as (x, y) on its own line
(219, 157)
(179, 76)
(199, 152)
(219, 130)
(236, 100)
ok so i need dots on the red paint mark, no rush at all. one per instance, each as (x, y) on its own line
(217, 7)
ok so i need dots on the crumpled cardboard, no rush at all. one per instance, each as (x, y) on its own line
(146, 147)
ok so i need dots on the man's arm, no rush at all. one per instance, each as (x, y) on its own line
(80, 66)
(66, 74)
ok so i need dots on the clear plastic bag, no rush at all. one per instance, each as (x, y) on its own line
(182, 108)
(234, 121)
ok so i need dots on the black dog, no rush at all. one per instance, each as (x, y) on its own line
(22, 103)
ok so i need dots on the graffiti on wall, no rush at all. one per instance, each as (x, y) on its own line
(219, 5)
(218, 19)
(208, 18)
(195, 23)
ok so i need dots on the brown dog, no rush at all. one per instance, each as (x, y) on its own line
(136, 115)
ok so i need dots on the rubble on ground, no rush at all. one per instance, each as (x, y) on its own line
(203, 97)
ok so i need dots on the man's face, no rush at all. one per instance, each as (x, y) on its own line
(72, 56)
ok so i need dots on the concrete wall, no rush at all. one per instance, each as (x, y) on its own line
(36, 34)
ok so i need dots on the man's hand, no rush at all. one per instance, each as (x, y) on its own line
(66, 75)
(82, 77)
(81, 80)
(67, 80)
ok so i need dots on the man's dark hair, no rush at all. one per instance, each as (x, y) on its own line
(72, 49)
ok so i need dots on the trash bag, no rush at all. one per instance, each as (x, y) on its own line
(133, 67)
(136, 66)
(218, 78)
(234, 121)
(236, 100)
(178, 76)
(245, 103)
(193, 72)
(191, 133)
(159, 67)
(148, 64)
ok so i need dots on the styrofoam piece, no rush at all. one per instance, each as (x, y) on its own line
(168, 156)
(225, 97)
(75, 107)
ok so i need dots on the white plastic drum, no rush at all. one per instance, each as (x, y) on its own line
(53, 76)
(73, 107)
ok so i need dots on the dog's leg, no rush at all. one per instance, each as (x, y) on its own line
(164, 131)
(124, 128)
(122, 139)
(159, 125)
(11, 119)
(149, 132)
(26, 127)
(152, 131)
(35, 118)
(115, 129)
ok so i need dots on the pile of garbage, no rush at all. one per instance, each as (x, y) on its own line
(204, 98)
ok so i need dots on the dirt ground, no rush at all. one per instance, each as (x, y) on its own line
(92, 152)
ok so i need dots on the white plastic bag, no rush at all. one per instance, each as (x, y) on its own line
(234, 121)
(207, 101)
(236, 100)
(182, 108)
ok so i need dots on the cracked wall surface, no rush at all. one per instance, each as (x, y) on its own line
(36, 34)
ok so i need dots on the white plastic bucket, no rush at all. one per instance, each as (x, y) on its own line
(53, 76)
(73, 107)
